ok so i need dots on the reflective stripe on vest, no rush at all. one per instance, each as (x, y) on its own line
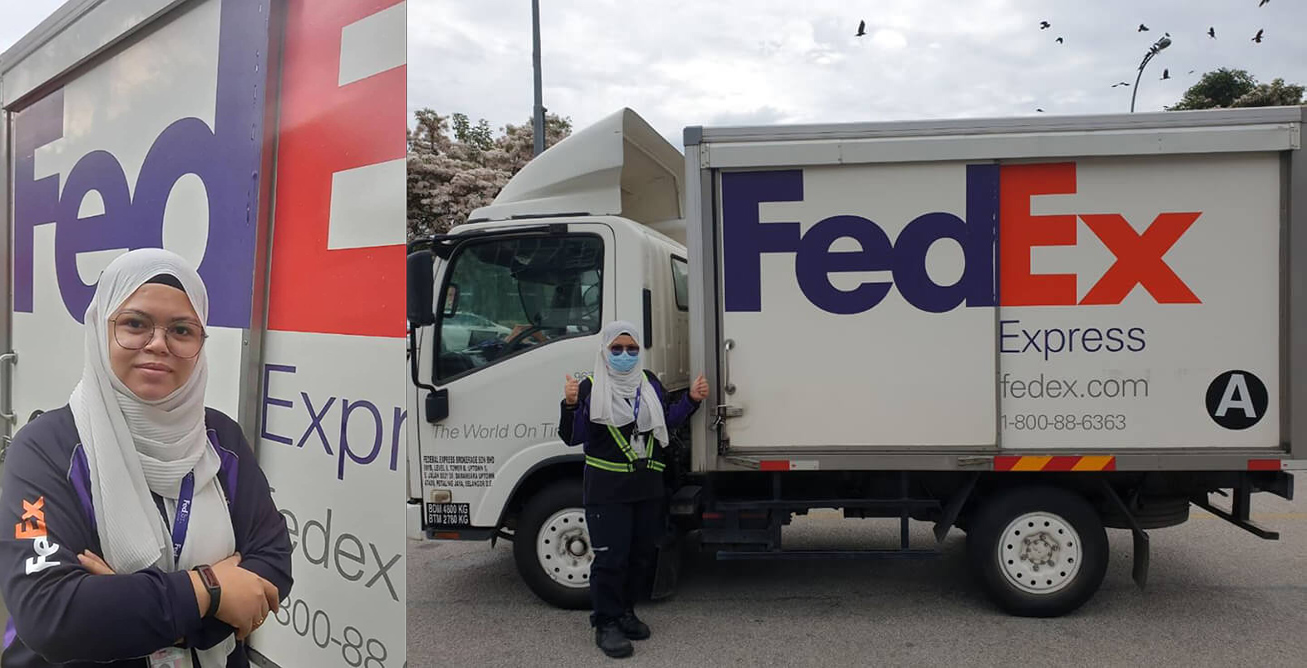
(620, 467)
(629, 465)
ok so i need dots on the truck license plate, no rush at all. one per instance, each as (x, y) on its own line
(449, 513)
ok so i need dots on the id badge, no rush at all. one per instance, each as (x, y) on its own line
(171, 657)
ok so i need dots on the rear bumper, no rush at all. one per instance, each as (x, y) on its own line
(459, 533)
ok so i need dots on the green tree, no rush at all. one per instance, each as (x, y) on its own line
(476, 137)
(456, 166)
(1227, 87)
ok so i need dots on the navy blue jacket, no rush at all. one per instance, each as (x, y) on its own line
(59, 612)
(599, 486)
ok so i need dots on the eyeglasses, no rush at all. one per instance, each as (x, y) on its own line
(617, 350)
(135, 331)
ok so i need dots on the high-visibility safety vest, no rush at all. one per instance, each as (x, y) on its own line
(632, 460)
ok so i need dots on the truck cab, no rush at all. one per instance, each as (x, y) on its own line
(589, 232)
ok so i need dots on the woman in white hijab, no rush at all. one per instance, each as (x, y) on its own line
(622, 415)
(145, 533)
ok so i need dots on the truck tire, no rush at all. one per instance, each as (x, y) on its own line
(1152, 513)
(552, 547)
(1038, 551)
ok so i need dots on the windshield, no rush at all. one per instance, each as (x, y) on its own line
(506, 295)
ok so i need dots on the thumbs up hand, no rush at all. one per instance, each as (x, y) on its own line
(570, 390)
(699, 389)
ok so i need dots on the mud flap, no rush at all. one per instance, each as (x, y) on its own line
(668, 569)
(1140, 570)
(1141, 555)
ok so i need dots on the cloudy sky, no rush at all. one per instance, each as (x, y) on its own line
(17, 17)
(727, 62)
(688, 62)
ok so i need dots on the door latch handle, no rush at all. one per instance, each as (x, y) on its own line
(727, 385)
(10, 357)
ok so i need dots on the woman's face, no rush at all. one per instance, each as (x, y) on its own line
(623, 354)
(153, 372)
(625, 342)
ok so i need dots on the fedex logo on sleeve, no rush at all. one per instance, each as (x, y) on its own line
(98, 206)
(31, 526)
(997, 213)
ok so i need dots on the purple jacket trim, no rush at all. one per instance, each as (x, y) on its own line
(230, 465)
(10, 633)
(79, 475)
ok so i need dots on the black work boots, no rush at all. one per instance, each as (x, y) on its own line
(612, 641)
(632, 627)
(615, 637)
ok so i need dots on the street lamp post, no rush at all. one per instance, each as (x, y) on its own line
(1152, 51)
(538, 114)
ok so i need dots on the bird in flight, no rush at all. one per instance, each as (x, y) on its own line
(1166, 74)
(1258, 37)
(1142, 28)
(1123, 83)
(1044, 25)
(1211, 32)
(1059, 40)
(1262, 2)
(1039, 110)
(1191, 71)
(862, 29)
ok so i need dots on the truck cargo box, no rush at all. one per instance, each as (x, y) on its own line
(1096, 292)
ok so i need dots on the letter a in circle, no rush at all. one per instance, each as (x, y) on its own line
(1237, 399)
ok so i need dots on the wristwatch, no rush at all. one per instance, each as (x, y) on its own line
(211, 585)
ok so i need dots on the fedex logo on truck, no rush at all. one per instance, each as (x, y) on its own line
(997, 212)
(225, 158)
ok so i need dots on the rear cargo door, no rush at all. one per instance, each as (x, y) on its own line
(857, 306)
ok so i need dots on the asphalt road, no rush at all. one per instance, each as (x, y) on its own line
(1217, 596)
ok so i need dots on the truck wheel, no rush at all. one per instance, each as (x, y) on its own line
(552, 546)
(1038, 551)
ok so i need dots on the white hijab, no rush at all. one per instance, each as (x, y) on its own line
(135, 447)
(612, 396)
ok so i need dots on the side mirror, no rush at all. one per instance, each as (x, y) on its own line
(421, 285)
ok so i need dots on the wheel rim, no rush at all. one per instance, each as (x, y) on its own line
(1039, 553)
(563, 548)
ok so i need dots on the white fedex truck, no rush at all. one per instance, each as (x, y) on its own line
(263, 141)
(1028, 329)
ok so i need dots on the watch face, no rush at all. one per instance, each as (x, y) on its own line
(206, 575)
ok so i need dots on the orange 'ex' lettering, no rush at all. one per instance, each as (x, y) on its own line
(32, 524)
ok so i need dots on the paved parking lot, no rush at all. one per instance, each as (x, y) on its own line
(1217, 596)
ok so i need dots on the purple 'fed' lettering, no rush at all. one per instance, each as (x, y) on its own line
(745, 238)
(226, 158)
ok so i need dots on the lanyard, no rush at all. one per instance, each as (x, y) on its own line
(182, 520)
(635, 425)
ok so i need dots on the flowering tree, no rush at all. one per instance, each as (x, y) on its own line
(455, 166)
(1237, 88)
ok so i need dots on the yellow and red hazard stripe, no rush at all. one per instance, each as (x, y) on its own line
(1030, 463)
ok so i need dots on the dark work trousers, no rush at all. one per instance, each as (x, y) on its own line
(625, 538)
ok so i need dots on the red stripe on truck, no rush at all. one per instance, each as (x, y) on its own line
(1005, 463)
(1061, 464)
(1050, 463)
(1263, 465)
(774, 465)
